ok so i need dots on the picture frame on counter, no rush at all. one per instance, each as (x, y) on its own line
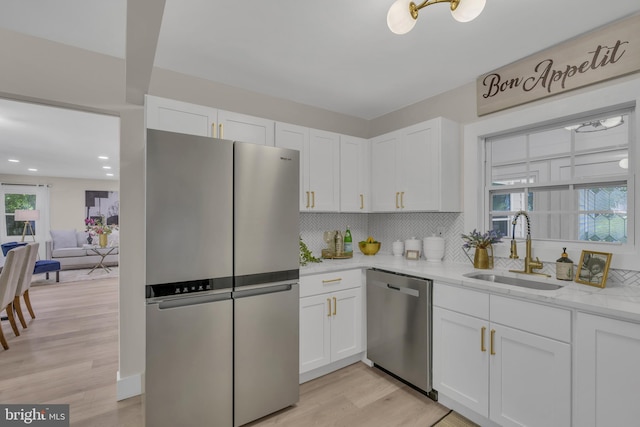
(593, 268)
(412, 255)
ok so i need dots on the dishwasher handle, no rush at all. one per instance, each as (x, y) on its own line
(408, 291)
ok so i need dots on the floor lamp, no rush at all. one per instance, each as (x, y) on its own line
(27, 216)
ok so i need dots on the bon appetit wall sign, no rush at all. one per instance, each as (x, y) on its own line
(602, 54)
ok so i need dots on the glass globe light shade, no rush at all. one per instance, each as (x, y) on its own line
(624, 163)
(468, 10)
(399, 17)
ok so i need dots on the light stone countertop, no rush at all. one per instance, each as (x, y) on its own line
(615, 300)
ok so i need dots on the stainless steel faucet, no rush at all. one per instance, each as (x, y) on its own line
(529, 263)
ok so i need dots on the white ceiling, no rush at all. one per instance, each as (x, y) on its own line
(334, 54)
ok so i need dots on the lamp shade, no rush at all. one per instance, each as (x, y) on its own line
(399, 17)
(26, 214)
(468, 10)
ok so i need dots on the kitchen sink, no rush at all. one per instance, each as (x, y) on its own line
(514, 281)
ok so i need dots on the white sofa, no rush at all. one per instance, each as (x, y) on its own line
(71, 249)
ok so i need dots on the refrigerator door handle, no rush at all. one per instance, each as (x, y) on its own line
(262, 291)
(188, 301)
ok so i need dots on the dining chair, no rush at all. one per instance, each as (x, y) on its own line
(8, 284)
(24, 283)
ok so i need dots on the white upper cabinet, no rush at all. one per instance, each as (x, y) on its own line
(417, 168)
(240, 127)
(385, 195)
(319, 165)
(354, 174)
(182, 117)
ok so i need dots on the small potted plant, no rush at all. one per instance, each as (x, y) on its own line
(483, 257)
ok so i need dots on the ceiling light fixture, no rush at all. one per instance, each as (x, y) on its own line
(106, 167)
(33, 170)
(403, 14)
(14, 160)
(624, 163)
(103, 157)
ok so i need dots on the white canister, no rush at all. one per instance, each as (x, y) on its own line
(413, 244)
(398, 248)
(434, 248)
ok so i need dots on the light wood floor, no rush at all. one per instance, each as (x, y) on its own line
(69, 354)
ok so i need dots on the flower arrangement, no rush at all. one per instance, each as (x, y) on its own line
(96, 227)
(477, 240)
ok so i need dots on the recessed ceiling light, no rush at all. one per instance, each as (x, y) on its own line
(109, 174)
(106, 167)
(14, 160)
(103, 157)
(33, 170)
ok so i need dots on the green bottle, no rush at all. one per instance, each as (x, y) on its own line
(348, 241)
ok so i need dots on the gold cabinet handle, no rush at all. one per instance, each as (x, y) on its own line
(402, 199)
(397, 206)
(335, 306)
(221, 133)
(332, 280)
(482, 331)
(313, 199)
(213, 130)
(492, 350)
(362, 201)
(329, 304)
(308, 199)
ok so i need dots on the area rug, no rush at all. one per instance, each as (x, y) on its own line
(69, 276)
(453, 419)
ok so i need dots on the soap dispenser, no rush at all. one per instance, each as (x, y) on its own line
(564, 266)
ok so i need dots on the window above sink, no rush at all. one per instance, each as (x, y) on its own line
(570, 177)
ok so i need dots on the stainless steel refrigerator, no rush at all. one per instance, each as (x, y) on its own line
(222, 257)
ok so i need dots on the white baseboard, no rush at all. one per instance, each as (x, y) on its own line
(128, 387)
(327, 369)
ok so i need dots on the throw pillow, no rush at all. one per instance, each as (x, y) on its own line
(64, 239)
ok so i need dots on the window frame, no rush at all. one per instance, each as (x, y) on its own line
(529, 177)
(600, 100)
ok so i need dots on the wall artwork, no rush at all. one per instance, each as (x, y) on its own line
(103, 206)
(593, 268)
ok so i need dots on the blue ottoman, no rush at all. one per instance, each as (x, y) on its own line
(47, 266)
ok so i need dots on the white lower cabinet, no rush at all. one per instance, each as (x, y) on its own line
(330, 318)
(505, 359)
(607, 375)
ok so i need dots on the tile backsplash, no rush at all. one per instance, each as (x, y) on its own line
(389, 227)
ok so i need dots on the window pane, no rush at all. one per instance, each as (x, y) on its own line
(550, 143)
(509, 149)
(14, 228)
(603, 214)
(13, 202)
(600, 164)
(594, 136)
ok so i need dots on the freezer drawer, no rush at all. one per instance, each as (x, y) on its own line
(266, 351)
(189, 362)
(399, 326)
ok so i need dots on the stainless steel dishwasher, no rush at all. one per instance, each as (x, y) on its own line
(399, 326)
